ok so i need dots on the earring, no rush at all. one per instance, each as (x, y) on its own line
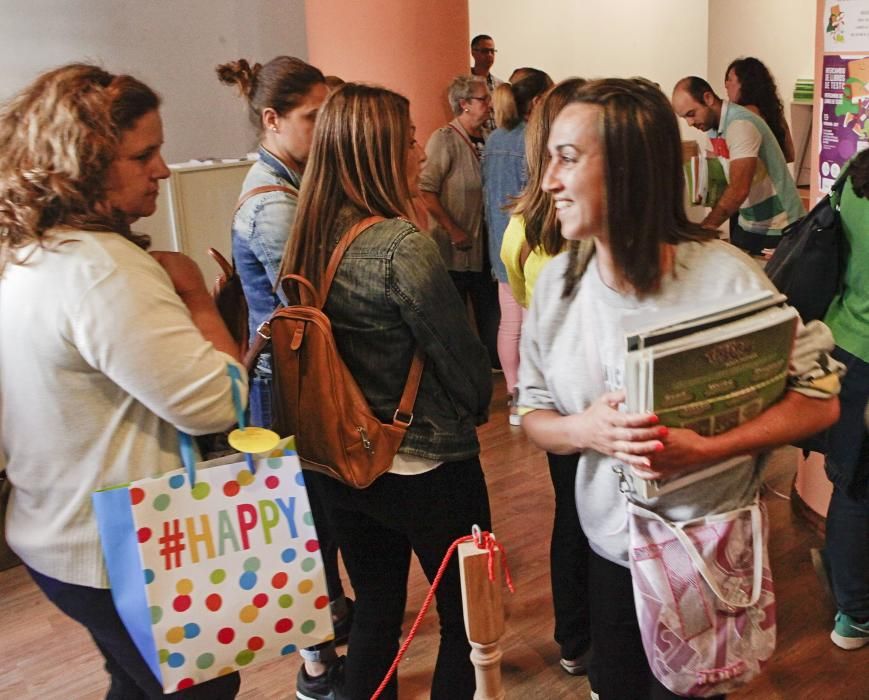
(467, 110)
(274, 128)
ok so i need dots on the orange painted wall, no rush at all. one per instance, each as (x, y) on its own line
(414, 47)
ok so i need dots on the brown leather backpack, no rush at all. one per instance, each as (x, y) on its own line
(316, 398)
(228, 295)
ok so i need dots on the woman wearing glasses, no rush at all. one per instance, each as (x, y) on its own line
(452, 190)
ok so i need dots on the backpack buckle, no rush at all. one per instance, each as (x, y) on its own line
(405, 418)
(264, 330)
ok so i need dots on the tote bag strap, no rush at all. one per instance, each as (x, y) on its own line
(691, 549)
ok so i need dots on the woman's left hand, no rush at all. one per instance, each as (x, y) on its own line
(684, 451)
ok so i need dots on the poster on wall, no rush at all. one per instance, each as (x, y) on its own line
(847, 25)
(844, 114)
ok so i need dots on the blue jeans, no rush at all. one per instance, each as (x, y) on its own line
(261, 392)
(131, 678)
(377, 528)
(847, 465)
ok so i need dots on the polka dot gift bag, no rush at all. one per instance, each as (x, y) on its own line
(215, 568)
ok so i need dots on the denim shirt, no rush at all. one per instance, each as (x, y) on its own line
(505, 173)
(260, 230)
(392, 293)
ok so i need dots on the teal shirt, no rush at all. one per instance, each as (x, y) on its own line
(848, 315)
(773, 201)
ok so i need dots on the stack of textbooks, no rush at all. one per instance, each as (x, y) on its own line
(708, 368)
(804, 90)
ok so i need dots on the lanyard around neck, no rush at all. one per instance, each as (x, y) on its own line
(466, 140)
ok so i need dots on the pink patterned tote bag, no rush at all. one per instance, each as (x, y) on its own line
(704, 597)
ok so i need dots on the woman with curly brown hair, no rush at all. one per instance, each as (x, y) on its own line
(749, 83)
(105, 351)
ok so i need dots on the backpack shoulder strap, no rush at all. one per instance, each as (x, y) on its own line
(227, 268)
(403, 415)
(837, 188)
(262, 189)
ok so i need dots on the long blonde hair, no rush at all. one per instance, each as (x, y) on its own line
(58, 138)
(359, 158)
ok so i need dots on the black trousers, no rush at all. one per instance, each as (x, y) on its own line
(377, 529)
(482, 289)
(751, 243)
(568, 561)
(131, 678)
(619, 667)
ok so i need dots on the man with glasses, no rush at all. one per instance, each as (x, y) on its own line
(483, 52)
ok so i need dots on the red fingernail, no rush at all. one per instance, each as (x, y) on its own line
(659, 447)
(663, 431)
(654, 418)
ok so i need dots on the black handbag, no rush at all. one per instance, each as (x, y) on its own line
(809, 263)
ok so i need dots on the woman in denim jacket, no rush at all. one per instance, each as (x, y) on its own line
(391, 294)
(505, 172)
(284, 97)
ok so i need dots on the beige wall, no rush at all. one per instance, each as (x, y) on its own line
(173, 45)
(659, 39)
(781, 33)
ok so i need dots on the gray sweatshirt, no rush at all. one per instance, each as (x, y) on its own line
(573, 350)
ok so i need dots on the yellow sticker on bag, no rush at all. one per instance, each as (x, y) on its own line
(253, 440)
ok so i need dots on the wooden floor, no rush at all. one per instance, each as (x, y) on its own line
(45, 656)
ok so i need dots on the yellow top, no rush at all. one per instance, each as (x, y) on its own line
(522, 280)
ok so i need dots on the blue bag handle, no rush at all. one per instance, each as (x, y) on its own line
(188, 448)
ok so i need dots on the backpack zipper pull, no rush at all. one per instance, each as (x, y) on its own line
(366, 443)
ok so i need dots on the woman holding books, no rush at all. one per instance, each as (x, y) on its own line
(615, 176)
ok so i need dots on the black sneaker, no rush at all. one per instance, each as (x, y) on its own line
(342, 626)
(324, 687)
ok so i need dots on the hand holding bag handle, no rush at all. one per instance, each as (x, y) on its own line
(697, 558)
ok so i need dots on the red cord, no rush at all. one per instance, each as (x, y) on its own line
(486, 541)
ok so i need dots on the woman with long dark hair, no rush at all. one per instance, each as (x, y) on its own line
(647, 256)
(749, 83)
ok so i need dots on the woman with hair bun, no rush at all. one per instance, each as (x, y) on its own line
(284, 97)
(105, 351)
